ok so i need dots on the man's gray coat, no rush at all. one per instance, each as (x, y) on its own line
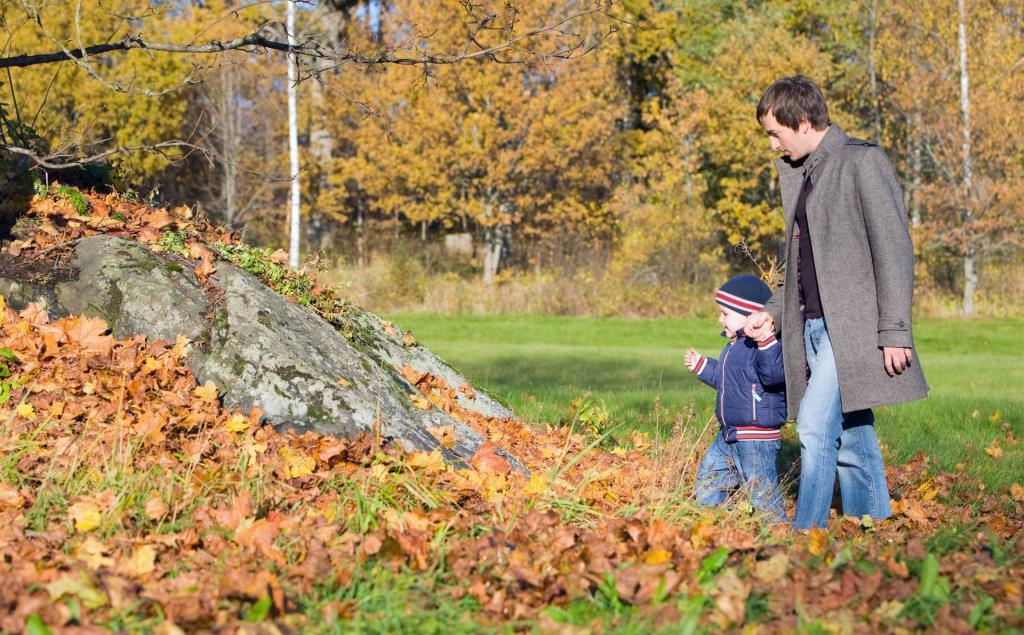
(865, 265)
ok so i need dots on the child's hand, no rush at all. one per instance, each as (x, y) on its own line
(759, 326)
(692, 358)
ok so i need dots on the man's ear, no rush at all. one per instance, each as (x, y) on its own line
(804, 125)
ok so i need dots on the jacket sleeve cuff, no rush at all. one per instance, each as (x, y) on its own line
(768, 342)
(895, 332)
(896, 339)
(701, 364)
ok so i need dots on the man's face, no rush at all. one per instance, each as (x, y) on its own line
(795, 144)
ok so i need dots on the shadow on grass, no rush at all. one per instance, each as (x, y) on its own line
(596, 373)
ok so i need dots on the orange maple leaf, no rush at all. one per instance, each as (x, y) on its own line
(486, 458)
(88, 332)
(148, 235)
(205, 268)
(156, 219)
(261, 534)
(34, 314)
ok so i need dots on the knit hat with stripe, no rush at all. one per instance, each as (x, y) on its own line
(744, 294)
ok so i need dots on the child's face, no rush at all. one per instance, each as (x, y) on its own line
(731, 321)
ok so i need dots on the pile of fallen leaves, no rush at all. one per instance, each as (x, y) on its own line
(128, 495)
(60, 217)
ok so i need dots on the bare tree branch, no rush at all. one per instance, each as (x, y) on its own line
(55, 161)
(256, 41)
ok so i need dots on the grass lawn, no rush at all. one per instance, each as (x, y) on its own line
(539, 364)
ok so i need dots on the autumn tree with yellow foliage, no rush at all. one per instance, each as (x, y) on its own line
(616, 137)
(919, 71)
(518, 151)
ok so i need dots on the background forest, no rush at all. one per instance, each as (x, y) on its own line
(629, 179)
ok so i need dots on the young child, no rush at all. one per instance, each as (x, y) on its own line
(751, 403)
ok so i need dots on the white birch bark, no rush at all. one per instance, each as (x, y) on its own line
(293, 142)
(970, 271)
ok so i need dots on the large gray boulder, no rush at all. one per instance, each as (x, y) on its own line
(260, 349)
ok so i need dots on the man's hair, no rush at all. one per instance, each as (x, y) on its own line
(791, 98)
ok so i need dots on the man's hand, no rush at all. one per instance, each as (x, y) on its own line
(691, 358)
(759, 325)
(896, 359)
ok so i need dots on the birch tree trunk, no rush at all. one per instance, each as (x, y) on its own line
(970, 271)
(231, 145)
(915, 169)
(492, 253)
(876, 110)
(492, 241)
(293, 142)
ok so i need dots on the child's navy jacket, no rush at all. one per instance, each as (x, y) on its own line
(751, 385)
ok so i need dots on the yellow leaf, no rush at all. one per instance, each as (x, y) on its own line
(995, 416)
(344, 383)
(538, 485)
(1017, 492)
(77, 584)
(819, 541)
(927, 490)
(772, 569)
(431, 461)
(93, 553)
(445, 435)
(420, 402)
(1012, 589)
(3, 303)
(702, 533)
(889, 610)
(207, 392)
(10, 496)
(408, 340)
(181, 346)
(298, 463)
(86, 515)
(657, 556)
(151, 364)
(143, 561)
(237, 423)
(640, 441)
(381, 471)
(26, 411)
(994, 450)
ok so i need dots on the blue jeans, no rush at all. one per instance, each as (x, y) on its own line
(747, 464)
(831, 441)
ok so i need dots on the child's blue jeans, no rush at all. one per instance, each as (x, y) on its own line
(745, 465)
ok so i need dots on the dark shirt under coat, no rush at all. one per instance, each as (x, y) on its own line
(807, 278)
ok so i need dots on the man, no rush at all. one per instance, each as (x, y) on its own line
(844, 310)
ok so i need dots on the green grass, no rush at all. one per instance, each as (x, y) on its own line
(539, 364)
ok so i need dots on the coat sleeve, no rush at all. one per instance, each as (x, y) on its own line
(768, 362)
(706, 371)
(774, 307)
(892, 252)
